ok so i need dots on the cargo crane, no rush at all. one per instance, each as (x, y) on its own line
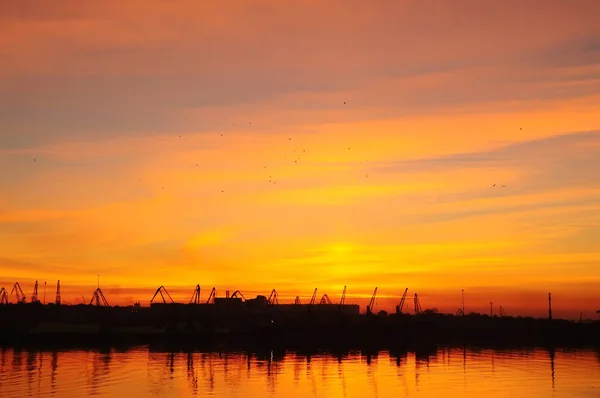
(238, 294)
(297, 300)
(400, 306)
(19, 292)
(58, 298)
(272, 300)
(325, 299)
(34, 298)
(313, 298)
(418, 309)
(160, 291)
(3, 296)
(196, 296)
(502, 313)
(211, 297)
(99, 299)
(372, 302)
(343, 299)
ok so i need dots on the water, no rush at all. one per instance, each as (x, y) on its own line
(449, 372)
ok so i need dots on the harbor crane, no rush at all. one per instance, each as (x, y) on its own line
(343, 299)
(372, 302)
(400, 306)
(297, 300)
(325, 299)
(272, 300)
(238, 294)
(58, 297)
(34, 295)
(313, 298)
(19, 293)
(3, 296)
(196, 296)
(98, 298)
(501, 311)
(160, 291)
(418, 309)
(212, 296)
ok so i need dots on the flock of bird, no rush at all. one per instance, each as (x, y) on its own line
(296, 160)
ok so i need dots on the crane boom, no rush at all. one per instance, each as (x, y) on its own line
(196, 296)
(313, 298)
(19, 293)
(34, 295)
(402, 301)
(272, 300)
(325, 299)
(3, 296)
(58, 296)
(160, 291)
(372, 302)
(417, 304)
(297, 300)
(343, 299)
(212, 296)
(238, 293)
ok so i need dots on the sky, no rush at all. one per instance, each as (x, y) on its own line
(255, 145)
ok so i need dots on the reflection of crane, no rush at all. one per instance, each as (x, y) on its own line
(58, 297)
(372, 302)
(343, 299)
(238, 294)
(313, 298)
(400, 306)
(19, 292)
(196, 296)
(325, 299)
(272, 300)
(34, 295)
(418, 309)
(212, 296)
(3, 296)
(160, 291)
(297, 300)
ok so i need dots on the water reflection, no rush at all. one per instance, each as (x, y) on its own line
(427, 372)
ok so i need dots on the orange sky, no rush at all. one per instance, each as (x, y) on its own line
(138, 143)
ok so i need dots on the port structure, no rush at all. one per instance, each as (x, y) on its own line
(99, 299)
(313, 298)
(273, 300)
(163, 292)
(501, 311)
(3, 296)
(58, 297)
(343, 299)
(196, 296)
(238, 294)
(19, 293)
(297, 300)
(417, 303)
(212, 296)
(400, 306)
(372, 302)
(34, 295)
(325, 299)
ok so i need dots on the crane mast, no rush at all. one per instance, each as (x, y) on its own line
(19, 293)
(313, 298)
(58, 297)
(272, 300)
(196, 296)
(325, 299)
(343, 299)
(3, 296)
(34, 295)
(418, 309)
(212, 296)
(160, 291)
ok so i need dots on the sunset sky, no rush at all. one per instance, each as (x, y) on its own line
(255, 145)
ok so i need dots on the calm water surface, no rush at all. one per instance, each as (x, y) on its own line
(444, 373)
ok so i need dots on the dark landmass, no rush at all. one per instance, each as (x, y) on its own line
(244, 325)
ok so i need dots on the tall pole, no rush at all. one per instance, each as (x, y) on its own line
(550, 306)
(491, 309)
(44, 292)
(463, 301)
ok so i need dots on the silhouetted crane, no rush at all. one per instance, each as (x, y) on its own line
(3, 296)
(212, 296)
(238, 294)
(272, 300)
(313, 298)
(58, 297)
(34, 295)
(372, 302)
(99, 299)
(297, 300)
(19, 293)
(160, 291)
(502, 313)
(418, 309)
(196, 296)
(400, 306)
(325, 299)
(343, 299)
